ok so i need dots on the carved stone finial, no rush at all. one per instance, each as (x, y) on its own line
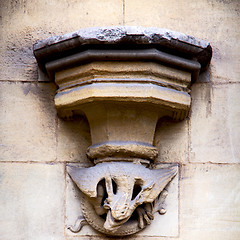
(123, 79)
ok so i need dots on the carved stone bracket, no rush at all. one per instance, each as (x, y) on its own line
(123, 79)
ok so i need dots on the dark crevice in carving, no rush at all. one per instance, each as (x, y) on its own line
(102, 183)
(136, 190)
(114, 186)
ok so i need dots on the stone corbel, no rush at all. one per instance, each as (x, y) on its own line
(123, 79)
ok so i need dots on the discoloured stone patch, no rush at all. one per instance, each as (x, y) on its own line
(25, 22)
(215, 125)
(28, 122)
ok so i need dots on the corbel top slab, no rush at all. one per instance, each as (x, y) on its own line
(177, 43)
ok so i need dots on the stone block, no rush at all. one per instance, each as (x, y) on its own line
(178, 16)
(171, 140)
(31, 201)
(210, 202)
(214, 123)
(24, 24)
(218, 23)
(73, 140)
(162, 225)
(28, 122)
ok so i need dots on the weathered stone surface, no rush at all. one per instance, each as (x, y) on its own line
(135, 188)
(125, 81)
(168, 221)
(171, 140)
(143, 93)
(28, 122)
(115, 35)
(123, 71)
(124, 149)
(25, 23)
(209, 202)
(31, 201)
(64, 51)
(73, 140)
(215, 21)
(214, 123)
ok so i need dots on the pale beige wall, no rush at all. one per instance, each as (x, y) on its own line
(35, 144)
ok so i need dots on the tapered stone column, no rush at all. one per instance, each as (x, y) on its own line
(123, 79)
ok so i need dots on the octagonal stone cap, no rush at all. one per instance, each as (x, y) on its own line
(124, 35)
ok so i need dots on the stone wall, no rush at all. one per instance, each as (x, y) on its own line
(37, 199)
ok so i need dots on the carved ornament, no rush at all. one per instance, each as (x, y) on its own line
(123, 79)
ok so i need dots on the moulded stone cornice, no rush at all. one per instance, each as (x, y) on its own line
(123, 64)
(120, 34)
(180, 44)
